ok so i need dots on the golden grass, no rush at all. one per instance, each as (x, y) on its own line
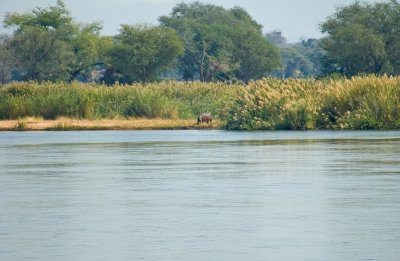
(38, 124)
(363, 102)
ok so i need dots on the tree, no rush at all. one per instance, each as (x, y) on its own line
(42, 55)
(41, 42)
(277, 39)
(56, 17)
(363, 38)
(355, 49)
(90, 49)
(49, 45)
(299, 60)
(7, 59)
(142, 52)
(215, 42)
(200, 28)
(254, 56)
(296, 64)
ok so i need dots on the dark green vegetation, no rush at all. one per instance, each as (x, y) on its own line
(221, 44)
(363, 38)
(141, 53)
(197, 41)
(299, 60)
(47, 45)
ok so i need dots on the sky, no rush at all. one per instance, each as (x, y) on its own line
(296, 19)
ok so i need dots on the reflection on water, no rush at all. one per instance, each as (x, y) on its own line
(199, 195)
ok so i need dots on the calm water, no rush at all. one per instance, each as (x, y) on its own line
(199, 195)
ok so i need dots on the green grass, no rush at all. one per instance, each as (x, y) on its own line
(368, 102)
(168, 100)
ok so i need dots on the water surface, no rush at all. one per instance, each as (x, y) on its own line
(200, 195)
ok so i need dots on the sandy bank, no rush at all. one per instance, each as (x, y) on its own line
(34, 124)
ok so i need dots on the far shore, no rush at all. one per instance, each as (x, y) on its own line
(63, 124)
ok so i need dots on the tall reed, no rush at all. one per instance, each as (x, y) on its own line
(89, 101)
(368, 102)
(275, 104)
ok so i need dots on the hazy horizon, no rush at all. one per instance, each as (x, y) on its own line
(295, 19)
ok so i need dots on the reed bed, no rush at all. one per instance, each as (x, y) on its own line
(166, 100)
(365, 102)
(275, 104)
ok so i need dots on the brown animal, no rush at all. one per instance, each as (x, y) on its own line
(204, 117)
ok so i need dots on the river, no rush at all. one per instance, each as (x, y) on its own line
(200, 195)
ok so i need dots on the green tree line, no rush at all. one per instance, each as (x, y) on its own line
(363, 38)
(197, 41)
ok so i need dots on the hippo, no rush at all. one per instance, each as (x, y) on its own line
(204, 117)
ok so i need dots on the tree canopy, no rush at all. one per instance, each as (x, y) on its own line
(56, 17)
(7, 61)
(40, 43)
(220, 43)
(363, 38)
(197, 41)
(141, 53)
(49, 45)
(299, 60)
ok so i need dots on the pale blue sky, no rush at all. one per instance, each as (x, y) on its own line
(297, 19)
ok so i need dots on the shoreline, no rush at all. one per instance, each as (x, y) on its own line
(66, 124)
(72, 124)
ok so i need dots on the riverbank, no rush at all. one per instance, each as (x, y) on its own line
(367, 102)
(61, 124)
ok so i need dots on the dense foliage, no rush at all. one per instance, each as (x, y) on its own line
(141, 53)
(363, 38)
(220, 44)
(298, 60)
(215, 44)
(197, 41)
(7, 61)
(48, 45)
